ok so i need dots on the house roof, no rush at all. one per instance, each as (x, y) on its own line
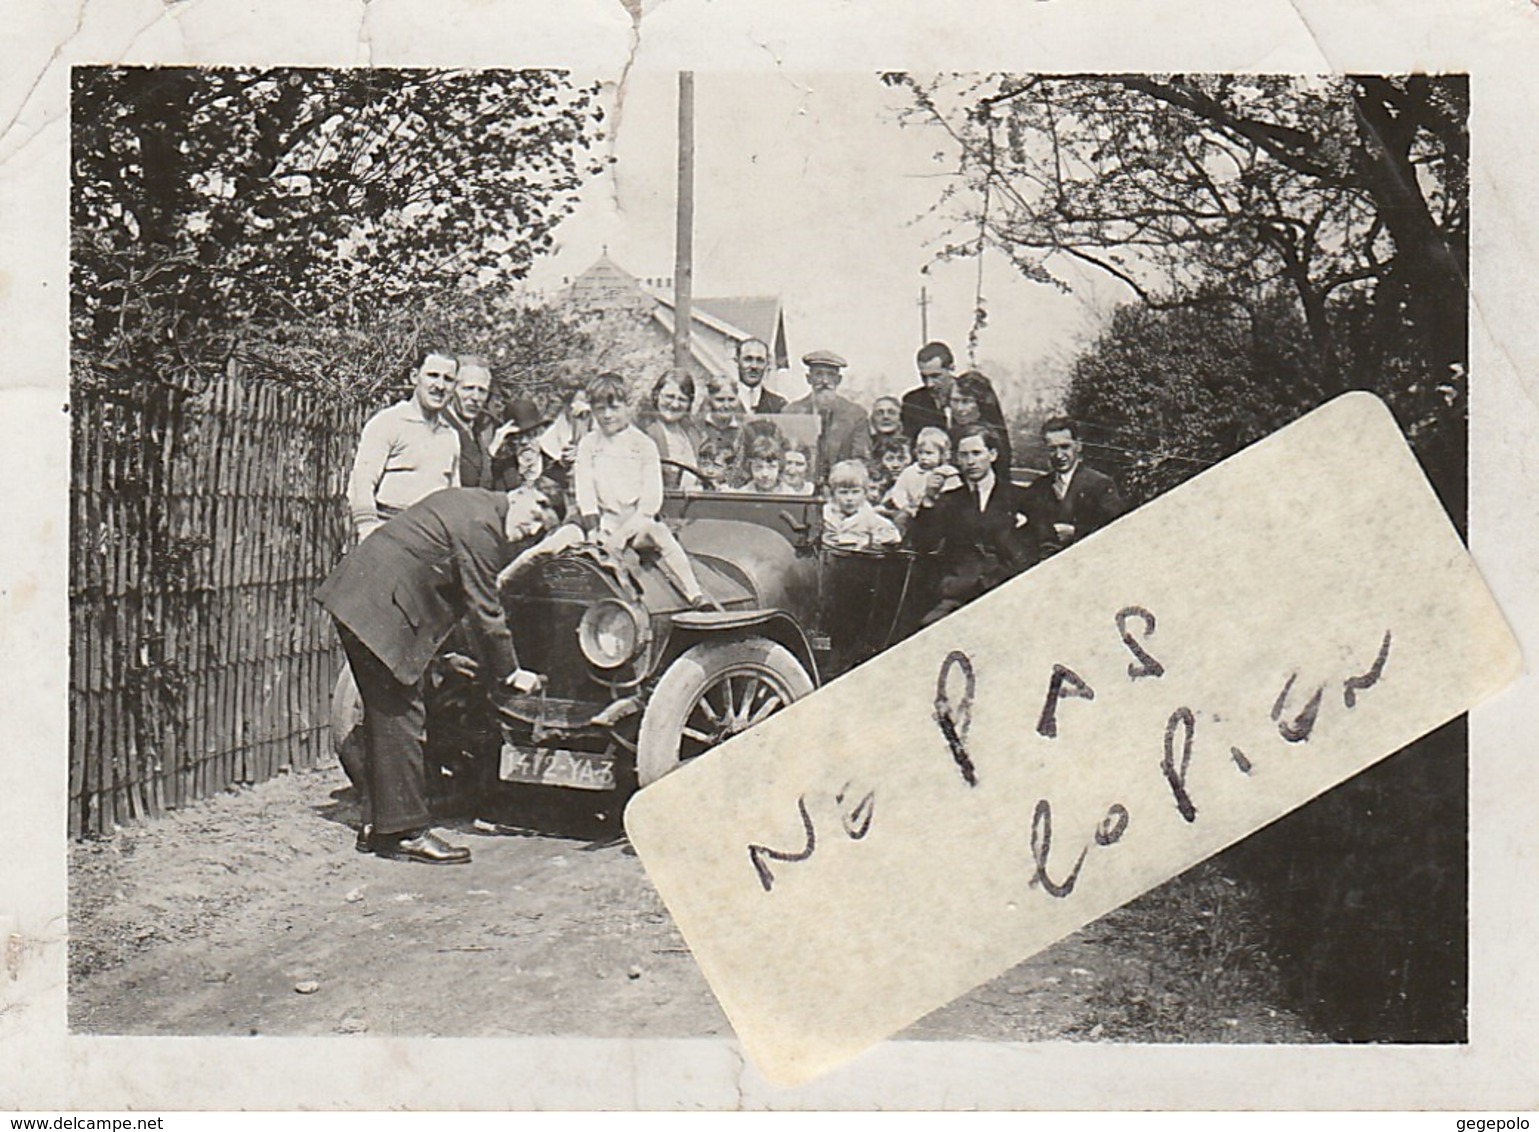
(725, 327)
(736, 317)
(759, 315)
(710, 359)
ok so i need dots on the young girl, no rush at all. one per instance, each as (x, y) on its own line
(932, 453)
(849, 520)
(793, 472)
(715, 463)
(765, 462)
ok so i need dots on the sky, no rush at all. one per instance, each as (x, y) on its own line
(806, 187)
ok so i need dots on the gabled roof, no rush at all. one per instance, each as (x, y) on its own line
(759, 315)
(708, 357)
(705, 317)
(736, 317)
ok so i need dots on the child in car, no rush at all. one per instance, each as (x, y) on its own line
(932, 455)
(714, 458)
(888, 459)
(849, 520)
(793, 472)
(874, 486)
(765, 461)
(892, 454)
(617, 479)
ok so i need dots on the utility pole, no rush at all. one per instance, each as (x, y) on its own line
(684, 226)
(924, 315)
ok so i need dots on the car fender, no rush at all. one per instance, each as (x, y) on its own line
(693, 626)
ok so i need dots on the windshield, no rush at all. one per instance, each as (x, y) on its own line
(770, 454)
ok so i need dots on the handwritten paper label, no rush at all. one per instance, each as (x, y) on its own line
(1073, 739)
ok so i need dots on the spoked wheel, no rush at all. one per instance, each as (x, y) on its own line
(710, 693)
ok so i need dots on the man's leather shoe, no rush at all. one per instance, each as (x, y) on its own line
(427, 847)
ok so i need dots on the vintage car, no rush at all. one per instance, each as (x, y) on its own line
(637, 681)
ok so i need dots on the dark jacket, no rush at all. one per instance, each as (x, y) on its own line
(770, 402)
(404, 587)
(1091, 502)
(846, 431)
(475, 457)
(920, 411)
(993, 543)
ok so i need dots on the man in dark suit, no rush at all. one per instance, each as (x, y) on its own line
(977, 530)
(753, 360)
(395, 598)
(1073, 499)
(929, 406)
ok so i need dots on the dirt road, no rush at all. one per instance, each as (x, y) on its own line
(251, 913)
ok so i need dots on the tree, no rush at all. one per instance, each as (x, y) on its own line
(1196, 189)
(1163, 394)
(207, 199)
(534, 350)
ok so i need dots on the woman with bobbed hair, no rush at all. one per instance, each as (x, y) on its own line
(674, 429)
(973, 400)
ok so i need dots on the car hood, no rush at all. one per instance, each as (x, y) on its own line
(745, 565)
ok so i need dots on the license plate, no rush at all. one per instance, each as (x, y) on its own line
(544, 766)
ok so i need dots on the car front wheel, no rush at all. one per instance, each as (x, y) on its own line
(710, 693)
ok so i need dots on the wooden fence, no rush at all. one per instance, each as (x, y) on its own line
(201, 523)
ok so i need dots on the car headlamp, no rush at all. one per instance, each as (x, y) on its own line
(609, 633)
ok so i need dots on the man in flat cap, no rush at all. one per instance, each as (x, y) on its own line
(845, 432)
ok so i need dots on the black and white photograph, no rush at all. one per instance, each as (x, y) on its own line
(456, 451)
(320, 331)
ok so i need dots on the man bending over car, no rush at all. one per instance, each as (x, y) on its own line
(395, 598)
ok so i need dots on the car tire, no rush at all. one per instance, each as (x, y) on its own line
(755, 676)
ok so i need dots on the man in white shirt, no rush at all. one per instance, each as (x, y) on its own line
(753, 359)
(408, 451)
(405, 453)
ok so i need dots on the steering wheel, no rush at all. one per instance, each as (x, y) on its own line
(690, 468)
